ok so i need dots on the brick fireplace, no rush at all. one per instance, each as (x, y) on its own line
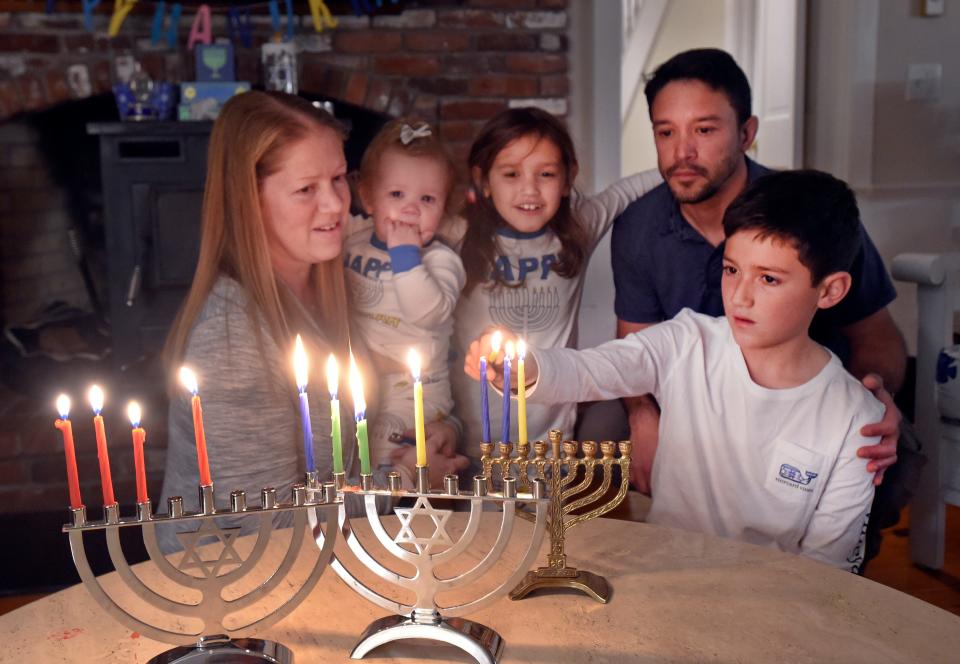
(452, 62)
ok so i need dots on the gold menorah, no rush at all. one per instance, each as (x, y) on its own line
(575, 497)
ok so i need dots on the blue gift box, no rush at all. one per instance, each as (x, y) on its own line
(202, 100)
(157, 105)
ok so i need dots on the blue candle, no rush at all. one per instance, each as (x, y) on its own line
(505, 433)
(484, 402)
(300, 370)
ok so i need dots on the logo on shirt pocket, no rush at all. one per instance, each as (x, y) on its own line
(794, 474)
(793, 470)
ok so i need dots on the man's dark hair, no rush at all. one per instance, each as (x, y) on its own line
(812, 210)
(711, 66)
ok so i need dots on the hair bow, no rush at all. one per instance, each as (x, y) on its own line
(408, 134)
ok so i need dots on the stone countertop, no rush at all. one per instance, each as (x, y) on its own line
(677, 597)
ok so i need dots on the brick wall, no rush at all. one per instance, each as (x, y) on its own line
(455, 63)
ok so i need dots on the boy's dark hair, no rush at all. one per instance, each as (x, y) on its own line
(711, 66)
(812, 210)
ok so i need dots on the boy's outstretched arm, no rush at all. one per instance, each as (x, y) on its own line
(623, 367)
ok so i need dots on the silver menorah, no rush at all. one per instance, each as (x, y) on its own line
(320, 506)
(215, 640)
(424, 618)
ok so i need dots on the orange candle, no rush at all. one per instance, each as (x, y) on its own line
(189, 380)
(96, 402)
(63, 424)
(139, 437)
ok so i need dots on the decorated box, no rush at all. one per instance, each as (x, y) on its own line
(201, 100)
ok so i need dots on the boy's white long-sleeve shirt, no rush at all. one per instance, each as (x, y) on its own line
(543, 306)
(735, 459)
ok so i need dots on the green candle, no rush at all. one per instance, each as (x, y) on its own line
(364, 447)
(359, 409)
(333, 380)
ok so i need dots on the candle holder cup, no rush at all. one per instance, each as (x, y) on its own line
(580, 490)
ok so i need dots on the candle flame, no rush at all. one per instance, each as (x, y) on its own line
(508, 350)
(333, 376)
(95, 396)
(133, 412)
(301, 364)
(521, 349)
(189, 380)
(495, 342)
(413, 361)
(63, 406)
(356, 389)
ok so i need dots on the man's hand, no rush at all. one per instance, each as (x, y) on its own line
(401, 233)
(883, 454)
(644, 417)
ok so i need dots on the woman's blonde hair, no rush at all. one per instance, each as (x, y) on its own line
(248, 143)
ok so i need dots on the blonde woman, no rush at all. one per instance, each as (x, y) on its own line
(275, 208)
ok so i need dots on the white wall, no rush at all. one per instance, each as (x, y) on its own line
(687, 24)
(901, 157)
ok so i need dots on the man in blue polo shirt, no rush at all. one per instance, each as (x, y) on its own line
(668, 245)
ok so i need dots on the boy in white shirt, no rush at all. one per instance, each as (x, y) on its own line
(760, 425)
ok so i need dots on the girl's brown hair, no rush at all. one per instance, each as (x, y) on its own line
(248, 143)
(480, 240)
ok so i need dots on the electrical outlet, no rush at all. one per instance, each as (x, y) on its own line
(923, 81)
(931, 7)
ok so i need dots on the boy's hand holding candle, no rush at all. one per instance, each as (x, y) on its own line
(484, 347)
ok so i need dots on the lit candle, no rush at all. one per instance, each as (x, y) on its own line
(300, 369)
(139, 436)
(189, 381)
(521, 393)
(63, 424)
(413, 360)
(359, 409)
(333, 380)
(96, 402)
(507, 357)
(484, 398)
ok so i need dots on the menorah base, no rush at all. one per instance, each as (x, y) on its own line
(222, 648)
(588, 583)
(479, 641)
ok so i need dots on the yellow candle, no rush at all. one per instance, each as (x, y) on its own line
(521, 392)
(413, 359)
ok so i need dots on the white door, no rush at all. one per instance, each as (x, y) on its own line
(778, 80)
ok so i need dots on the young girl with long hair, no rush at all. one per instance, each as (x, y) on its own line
(525, 245)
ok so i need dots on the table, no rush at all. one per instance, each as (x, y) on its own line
(678, 597)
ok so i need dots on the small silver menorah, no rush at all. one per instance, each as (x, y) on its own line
(215, 641)
(561, 473)
(424, 618)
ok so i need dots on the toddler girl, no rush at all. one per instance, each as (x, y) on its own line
(405, 284)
